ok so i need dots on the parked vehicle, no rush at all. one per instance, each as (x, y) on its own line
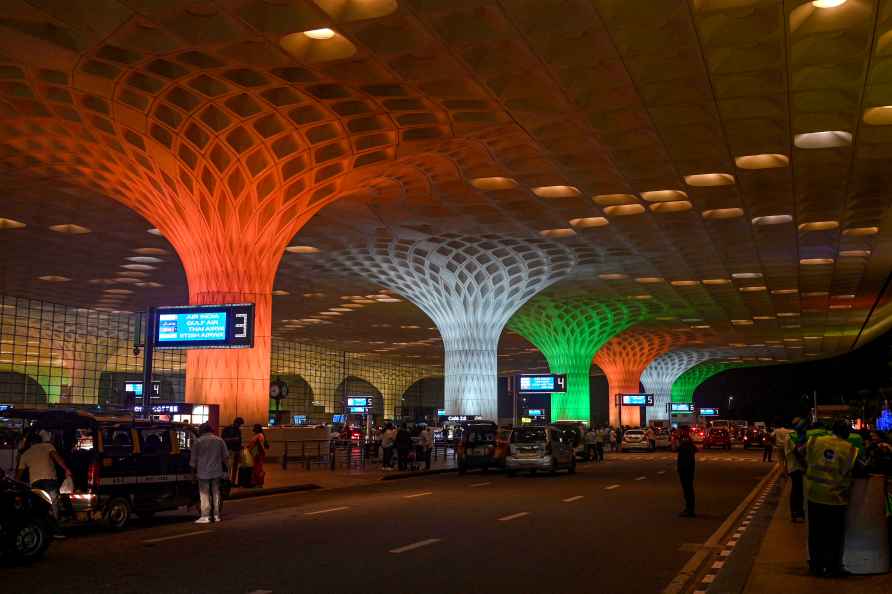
(717, 438)
(753, 438)
(574, 431)
(120, 466)
(662, 438)
(698, 434)
(26, 521)
(476, 446)
(541, 448)
(634, 439)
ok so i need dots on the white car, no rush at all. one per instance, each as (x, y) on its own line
(634, 439)
(662, 439)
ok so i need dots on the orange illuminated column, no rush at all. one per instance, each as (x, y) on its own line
(623, 359)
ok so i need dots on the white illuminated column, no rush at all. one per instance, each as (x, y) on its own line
(662, 372)
(469, 287)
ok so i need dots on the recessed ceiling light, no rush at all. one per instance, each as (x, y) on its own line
(52, 278)
(280, 292)
(860, 231)
(330, 313)
(323, 33)
(341, 309)
(854, 253)
(664, 195)
(642, 296)
(614, 199)
(684, 283)
(772, 220)
(126, 280)
(144, 259)
(716, 281)
(746, 275)
(788, 314)
(151, 251)
(673, 206)
(827, 3)
(742, 322)
(842, 296)
(613, 276)
(11, 224)
(69, 229)
(762, 161)
(494, 183)
(723, 213)
(702, 326)
(703, 180)
(784, 291)
(648, 280)
(623, 210)
(878, 116)
(823, 139)
(133, 274)
(840, 306)
(589, 222)
(154, 231)
(556, 191)
(137, 267)
(819, 226)
(301, 249)
(149, 285)
(815, 261)
(118, 291)
(557, 233)
(763, 318)
(815, 294)
(753, 289)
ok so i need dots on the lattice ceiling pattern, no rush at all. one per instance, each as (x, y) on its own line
(727, 158)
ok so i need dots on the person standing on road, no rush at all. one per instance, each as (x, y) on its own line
(599, 444)
(208, 460)
(685, 465)
(829, 460)
(589, 440)
(387, 444)
(651, 436)
(40, 460)
(794, 460)
(768, 446)
(426, 441)
(232, 435)
(611, 438)
(403, 443)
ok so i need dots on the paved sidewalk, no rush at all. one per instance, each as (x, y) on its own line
(780, 567)
(296, 477)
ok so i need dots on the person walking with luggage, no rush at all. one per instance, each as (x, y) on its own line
(426, 442)
(208, 459)
(387, 446)
(232, 435)
(403, 444)
(830, 460)
(685, 465)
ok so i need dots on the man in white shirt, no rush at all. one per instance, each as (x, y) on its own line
(40, 460)
(208, 458)
(426, 441)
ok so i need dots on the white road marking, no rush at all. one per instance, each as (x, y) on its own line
(479, 484)
(176, 536)
(415, 545)
(571, 499)
(514, 516)
(414, 495)
(611, 487)
(326, 511)
(641, 478)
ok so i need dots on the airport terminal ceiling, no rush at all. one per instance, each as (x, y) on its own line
(726, 162)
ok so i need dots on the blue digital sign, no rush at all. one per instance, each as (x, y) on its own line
(681, 407)
(204, 326)
(359, 402)
(638, 399)
(542, 384)
(708, 412)
(441, 412)
(536, 412)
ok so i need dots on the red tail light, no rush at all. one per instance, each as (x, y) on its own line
(93, 477)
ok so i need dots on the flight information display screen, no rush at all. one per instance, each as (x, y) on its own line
(638, 399)
(228, 326)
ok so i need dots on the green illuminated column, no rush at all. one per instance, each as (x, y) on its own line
(687, 382)
(569, 331)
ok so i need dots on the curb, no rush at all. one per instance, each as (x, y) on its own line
(405, 475)
(251, 493)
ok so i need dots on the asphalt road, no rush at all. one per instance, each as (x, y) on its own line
(611, 528)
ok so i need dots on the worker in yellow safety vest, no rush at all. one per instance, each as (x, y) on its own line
(830, 460)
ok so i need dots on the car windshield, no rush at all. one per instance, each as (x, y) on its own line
(532, 435)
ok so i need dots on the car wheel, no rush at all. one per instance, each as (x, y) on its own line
(30, 540)
(117, 513)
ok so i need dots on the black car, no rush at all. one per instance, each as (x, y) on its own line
(26, 521)
(120, 466)
(476, 446)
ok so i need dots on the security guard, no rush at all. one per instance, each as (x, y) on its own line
(794, 458)
(830, 459)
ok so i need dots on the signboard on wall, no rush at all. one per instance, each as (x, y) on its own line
(637, 399)
(708, 412)
(228, 326)
(680, 408)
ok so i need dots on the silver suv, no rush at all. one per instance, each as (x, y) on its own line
(540, 448)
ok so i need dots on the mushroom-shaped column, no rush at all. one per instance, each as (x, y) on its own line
(690, 380)
(569, 330)
(623, 358)
(662, 372)
(469, 287)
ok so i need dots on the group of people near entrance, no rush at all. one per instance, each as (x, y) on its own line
(410, 449)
